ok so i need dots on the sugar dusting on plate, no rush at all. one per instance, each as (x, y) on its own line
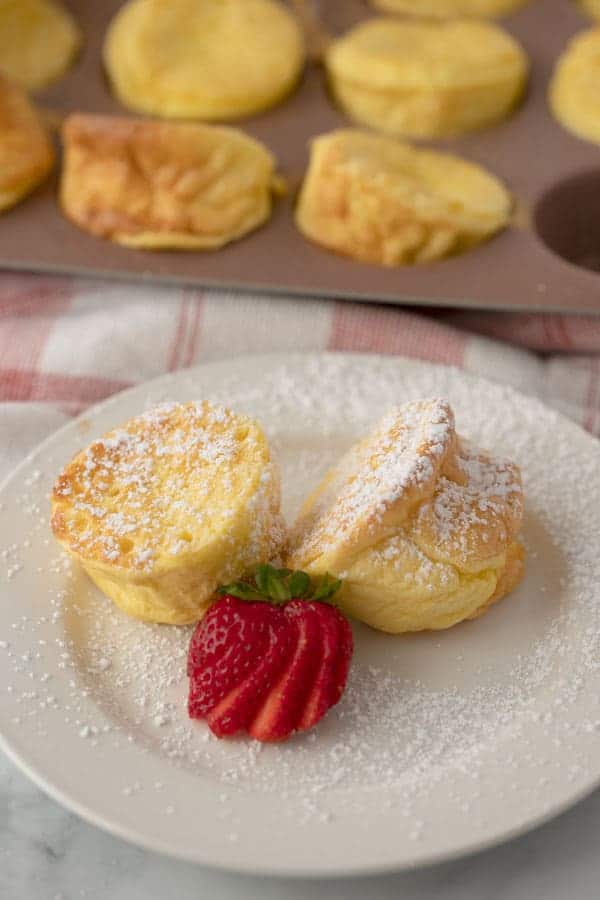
(396, 729)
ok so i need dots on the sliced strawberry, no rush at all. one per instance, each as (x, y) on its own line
(346, 649)
(233, 637)
(278, 716)
(321, 695)
(271, 668)
(237, 709)
(210, 640)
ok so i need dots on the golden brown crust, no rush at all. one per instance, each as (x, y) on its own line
(26, 153)
(163, 184)
(475, 517)
(382, 201)
(164, 509)
(375, 486)
(145, 482)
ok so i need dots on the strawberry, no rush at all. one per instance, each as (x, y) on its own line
(270, 657)
(326, 689)
(224, 651)
(238, 707)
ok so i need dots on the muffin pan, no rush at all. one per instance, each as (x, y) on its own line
(548, 260)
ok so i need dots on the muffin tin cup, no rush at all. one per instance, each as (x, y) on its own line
(549, 259)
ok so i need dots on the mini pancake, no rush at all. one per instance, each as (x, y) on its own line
(203, 59)
(447, 9)
(26, 153)
(38, 41)
(383, 201)
(575, 88)
(156, 185)
(162, 510)
(422, 527)
(426, 79)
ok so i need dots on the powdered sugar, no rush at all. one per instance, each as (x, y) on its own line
(402, 455)
(477, 518)
(128, 498)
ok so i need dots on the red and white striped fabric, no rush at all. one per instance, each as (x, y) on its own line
(67, 343)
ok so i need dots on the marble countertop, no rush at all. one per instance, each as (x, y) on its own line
(47, 853)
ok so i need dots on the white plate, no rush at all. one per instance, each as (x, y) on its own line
(443, 743)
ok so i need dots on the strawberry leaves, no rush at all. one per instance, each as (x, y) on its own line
(281, 585)
(299, 584)
(240, 589)
(327, 587)
(271, 583)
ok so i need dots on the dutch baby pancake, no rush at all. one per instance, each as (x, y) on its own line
(575, 87)
(422, 78)
(153, 184)
(203, 59)
(383, 201)
(38, 41)
(422, 527)
(26, 153)
(164, 509)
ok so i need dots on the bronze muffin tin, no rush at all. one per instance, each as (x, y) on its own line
(549, 260)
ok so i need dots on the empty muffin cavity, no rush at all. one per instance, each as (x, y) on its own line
(567, 220)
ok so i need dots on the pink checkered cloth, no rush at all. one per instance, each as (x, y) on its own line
(67, 343)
